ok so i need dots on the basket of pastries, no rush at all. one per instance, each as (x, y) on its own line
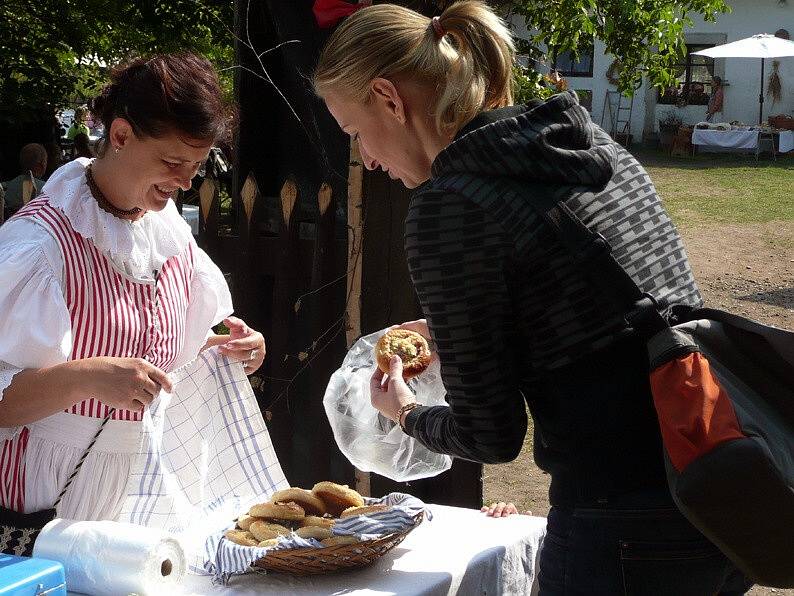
(328, 528)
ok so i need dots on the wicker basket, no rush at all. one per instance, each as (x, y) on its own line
(313, 561)
(781, 122)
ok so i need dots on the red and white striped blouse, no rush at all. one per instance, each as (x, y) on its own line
(111, 315)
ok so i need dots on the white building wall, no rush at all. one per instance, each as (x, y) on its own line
(741, 75)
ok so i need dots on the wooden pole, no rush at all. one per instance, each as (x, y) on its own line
(355, 229)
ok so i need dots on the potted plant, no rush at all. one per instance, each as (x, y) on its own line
(668, 127)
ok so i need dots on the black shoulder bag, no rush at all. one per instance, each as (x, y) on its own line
(723, 389)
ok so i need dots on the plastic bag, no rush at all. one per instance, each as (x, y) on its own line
(372, 442)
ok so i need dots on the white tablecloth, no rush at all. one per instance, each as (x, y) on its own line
(728, 139)
(461, 551)
(786, 142)
(739, 139)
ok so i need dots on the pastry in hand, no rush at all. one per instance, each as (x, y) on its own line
(410, 346)
(337, 497)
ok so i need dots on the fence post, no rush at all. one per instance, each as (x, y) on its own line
(355, 230)
(283, 316)
(209, 215)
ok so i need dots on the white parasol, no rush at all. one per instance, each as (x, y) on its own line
(761, 46)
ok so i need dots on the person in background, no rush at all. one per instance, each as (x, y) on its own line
(33, 164)
(716, 99)
(53, 146)
(518, 322)
(81, 146)
(79, 125)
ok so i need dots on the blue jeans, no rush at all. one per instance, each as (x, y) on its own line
(632, 550)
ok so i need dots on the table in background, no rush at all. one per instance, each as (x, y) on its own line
(786, 141)
(738, 140)
(461, 551)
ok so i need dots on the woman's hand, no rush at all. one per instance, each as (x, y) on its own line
(388, 393)
(501, 509)
(122, 383)
(245, 344)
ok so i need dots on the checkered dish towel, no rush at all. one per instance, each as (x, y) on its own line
(206, 456)
(225, 558)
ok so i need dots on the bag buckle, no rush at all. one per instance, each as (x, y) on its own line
(645, 317)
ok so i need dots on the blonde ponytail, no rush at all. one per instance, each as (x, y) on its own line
(468, 66)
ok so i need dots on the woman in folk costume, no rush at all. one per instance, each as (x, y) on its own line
(103, 291)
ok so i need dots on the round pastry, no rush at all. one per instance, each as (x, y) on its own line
(365, 510)
(241, 537)
(320, 522)
(410, 346)
(314, 532)
(265, 531)
(339, 540)
(286, 511)
(269, 542)
(310, 503)
(337, 497)
(244, 521)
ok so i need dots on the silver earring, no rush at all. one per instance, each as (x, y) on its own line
(116, 149)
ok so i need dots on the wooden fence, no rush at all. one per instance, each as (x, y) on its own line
(312, 247)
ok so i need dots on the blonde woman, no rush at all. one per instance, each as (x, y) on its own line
(515, 320)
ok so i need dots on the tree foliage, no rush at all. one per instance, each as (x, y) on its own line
(52, 52)
(645, 36)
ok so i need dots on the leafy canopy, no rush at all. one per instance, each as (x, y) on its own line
(52, 51)
(645, 36)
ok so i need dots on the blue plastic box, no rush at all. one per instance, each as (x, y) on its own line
(23, 576)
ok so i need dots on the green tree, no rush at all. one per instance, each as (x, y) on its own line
(645, 36)
(52, 52)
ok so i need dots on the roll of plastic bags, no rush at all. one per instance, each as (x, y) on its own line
(112, 558)
(372, 442)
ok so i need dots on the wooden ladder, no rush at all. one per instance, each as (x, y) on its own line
(616, 108)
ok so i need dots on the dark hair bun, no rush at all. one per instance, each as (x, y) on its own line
(164, 94)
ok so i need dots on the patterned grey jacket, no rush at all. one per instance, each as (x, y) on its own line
(513, 318)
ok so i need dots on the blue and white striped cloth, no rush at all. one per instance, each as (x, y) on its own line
(206, 456)
(225, 558)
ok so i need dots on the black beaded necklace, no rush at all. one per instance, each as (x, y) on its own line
(102, 200)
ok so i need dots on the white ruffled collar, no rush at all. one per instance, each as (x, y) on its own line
(137, 248)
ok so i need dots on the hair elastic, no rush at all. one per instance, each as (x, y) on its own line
(439, 30)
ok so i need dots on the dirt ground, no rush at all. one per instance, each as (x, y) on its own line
(748, 269)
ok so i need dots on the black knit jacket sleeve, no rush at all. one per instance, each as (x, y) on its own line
(459, 261)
